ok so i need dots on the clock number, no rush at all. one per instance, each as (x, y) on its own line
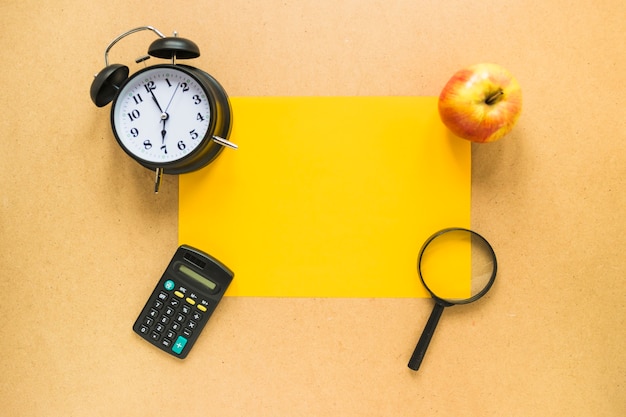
(149, 86)
(133, 115)
(147, 144)
(164, 149)
(199, 117)
(197, 99)
(184, 86)
(194, 135)
(134, 132)
(181, 145)
(138, 99)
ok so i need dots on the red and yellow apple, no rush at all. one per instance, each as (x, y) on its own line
(481, 103)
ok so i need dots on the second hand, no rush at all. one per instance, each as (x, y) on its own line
(172, 98)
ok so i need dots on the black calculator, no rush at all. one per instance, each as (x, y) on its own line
(183, 300)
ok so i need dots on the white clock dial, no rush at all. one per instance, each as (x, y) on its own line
(161, 114)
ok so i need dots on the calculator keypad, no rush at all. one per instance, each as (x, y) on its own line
(172, 319)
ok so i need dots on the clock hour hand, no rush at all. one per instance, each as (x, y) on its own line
(163, 131)
(164, 116)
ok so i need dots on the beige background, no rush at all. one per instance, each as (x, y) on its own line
(83, 239)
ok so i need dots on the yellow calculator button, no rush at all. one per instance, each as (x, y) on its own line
(201, 307)
(190, 301)
(178, 294)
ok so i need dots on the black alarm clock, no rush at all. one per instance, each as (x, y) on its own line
(170, 118)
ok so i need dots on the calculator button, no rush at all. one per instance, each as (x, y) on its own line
(169, 311)
(185, 309)
(164, 319)
(201, 307)
(175, 326)
(196, 316)
(158, 304)
(179, 294)
(156, 336)
(191, 325)
(180, 318)
(190, 301)
(162, 296)
(159, 328)
(153, 313)
(148, 321)
(174, 302)
(144, 329)
(170, 334)
(166, 342)
(179, 345)
(187, 332)
(169, 285)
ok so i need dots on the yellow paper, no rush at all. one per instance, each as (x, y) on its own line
(328, 196)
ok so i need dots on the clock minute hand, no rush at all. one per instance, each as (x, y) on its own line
(156, 101)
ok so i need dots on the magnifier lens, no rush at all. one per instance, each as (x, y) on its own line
(457, 266)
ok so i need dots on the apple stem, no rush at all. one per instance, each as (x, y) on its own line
(495, 97)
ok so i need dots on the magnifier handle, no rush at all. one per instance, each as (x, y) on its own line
(427, 334)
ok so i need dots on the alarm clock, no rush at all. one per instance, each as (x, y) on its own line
(170, 118)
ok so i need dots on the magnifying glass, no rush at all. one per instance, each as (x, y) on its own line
(456, 266)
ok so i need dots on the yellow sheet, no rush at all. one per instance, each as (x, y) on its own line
(327, 196)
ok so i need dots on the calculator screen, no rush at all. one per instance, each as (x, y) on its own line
(196, 276)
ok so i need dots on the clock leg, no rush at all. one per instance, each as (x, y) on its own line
(157, 179)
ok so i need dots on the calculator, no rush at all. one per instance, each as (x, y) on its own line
(182, 302)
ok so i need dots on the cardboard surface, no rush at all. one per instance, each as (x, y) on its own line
(329, 196)
(83, 239)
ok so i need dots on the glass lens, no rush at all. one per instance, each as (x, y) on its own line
(457, 265)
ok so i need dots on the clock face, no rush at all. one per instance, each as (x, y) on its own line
(161, 114)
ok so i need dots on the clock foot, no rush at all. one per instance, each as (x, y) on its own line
(157, 179)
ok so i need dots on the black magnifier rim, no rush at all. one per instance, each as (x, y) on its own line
(446, 302)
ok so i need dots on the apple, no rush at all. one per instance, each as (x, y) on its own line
(481, 103)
